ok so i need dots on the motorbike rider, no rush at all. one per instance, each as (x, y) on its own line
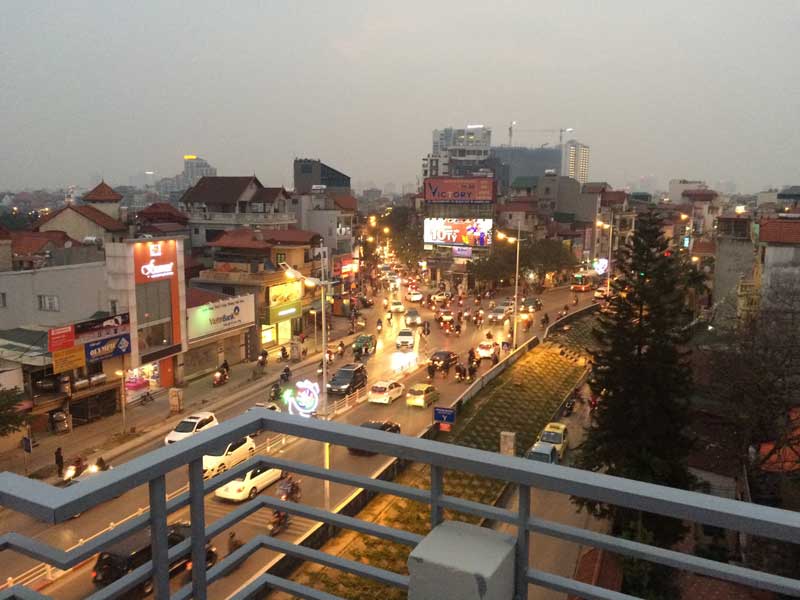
(575, 299)
(101, 464)
(284, 353)
(340, 348)
(471, 355)
(225, 368)
(380, 324)
(385, 303)
(389, 317)
(233, 543)
(286, 374)
(275, 392)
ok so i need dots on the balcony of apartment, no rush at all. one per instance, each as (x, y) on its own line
(454, 560)
(202, 216)
(747, 299)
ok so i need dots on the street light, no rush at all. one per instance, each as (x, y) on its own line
(514, 240)
(312, 282)
(386, 230)
(610, 227)
(123, 396)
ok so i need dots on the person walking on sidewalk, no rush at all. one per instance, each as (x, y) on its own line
(59, 459)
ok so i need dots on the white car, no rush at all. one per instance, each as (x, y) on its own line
(485, 350)
(440, 297)
(386, 392)
(192, 424)
(413, 317)
(405, 339)
(249, 485)
(397, 307)
(600, 293)
(229, 456)
(414, 296)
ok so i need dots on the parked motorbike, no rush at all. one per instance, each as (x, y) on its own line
(569, 407)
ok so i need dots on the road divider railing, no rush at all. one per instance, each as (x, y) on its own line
(54, 505)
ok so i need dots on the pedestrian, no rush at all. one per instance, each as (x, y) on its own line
(431, 370)
(59, 457)
(446, 370)
(495, 358)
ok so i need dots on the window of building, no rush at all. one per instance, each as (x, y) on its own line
(2, 300)
(280, 257)
(197, 231)
(305, 168)
(113, 305)
(228, 290)
(48, 302)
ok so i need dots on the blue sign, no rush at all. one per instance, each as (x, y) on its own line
(103, 349)
(444, 415)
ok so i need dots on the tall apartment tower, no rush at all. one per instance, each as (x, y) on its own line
(576, 161)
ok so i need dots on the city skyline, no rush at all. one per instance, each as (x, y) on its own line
(672, 101)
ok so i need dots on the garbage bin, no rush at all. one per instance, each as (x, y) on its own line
(59, 422)
(175, 400)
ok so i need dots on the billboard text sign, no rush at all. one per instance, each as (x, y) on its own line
(223, 315)
(60, 338)
(104, 349)
(102, 328)
(458, 232)
(154, 261)
(462, 190)
(68, 359)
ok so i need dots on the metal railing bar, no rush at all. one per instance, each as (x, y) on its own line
(481, 510)
(17, 592)
(570, 586)
(669, 558)
(284, 585)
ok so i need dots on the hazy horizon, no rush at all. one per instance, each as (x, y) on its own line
(683, 90)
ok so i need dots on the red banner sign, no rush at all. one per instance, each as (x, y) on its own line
(60, 338)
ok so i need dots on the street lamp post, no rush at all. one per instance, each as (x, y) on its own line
(610, 227)
(512, 240)
(123, 397)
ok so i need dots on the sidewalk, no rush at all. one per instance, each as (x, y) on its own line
(104, 436)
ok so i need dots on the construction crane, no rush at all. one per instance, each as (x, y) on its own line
(560, 132)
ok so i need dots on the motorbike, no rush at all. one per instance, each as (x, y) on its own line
(340, 349)
(220, 378)
(319, 369)
(289, 489)
(284, 354)
(575, 301)
(262, 359)
(278, 523)
(275, 393)
(380, 327)
(569, 407)
(286, 374)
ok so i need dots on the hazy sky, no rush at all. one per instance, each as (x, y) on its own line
(673, 89)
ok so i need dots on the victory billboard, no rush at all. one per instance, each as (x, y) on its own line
(460, 190)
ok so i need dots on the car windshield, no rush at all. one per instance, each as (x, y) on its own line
(553, 437)
(362, 339)
(378, 389)
(539, 456)
(372, 425)
(218, 451)
(486, 345)
(186, 426)
(412, 313)
(416, 392)
(341, 378)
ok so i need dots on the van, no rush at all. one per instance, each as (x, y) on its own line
(543, 452)
(348, 379)
(132, 552)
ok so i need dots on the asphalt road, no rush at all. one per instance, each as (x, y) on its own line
(77, 583)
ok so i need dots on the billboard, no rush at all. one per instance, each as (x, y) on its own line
(285, 292)
(461, 190)
(60, 338)
(102, 328)
(68, 359)
(154, 261)
(104, 349)
(458, 232)
(216, 317)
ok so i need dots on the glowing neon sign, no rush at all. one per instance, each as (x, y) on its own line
(304, 400)
(600, 265)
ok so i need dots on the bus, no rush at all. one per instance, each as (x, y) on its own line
(584, 281)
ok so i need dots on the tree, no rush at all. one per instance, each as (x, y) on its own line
(643, 379)
(541, 256)
(11, 419)
(545, 256)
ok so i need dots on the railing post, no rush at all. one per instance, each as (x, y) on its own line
(198, 518)
(437, 488)
(523, 542)
(158, 537)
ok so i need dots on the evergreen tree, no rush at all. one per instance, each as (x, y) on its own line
(642, 377)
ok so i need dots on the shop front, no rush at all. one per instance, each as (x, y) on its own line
(217, 332)
(282, 316)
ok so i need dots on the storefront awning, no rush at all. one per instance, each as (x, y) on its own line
(94, 390)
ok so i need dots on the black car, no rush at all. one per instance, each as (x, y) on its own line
(366, 302)
(132, 552)
(348, 379)
(389, 426)
(443, 359)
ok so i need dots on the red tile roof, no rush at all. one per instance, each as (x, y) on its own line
(706, 247)
(263, 239)
(613, 198)
(163, 228)
(198, 297)
(269, 195)
(780, 231)
(88, 212)
(102, 192)
(25, 243)
(526, 207)
(218, 190)
(600, 568)
(346, 203)
(161, 212)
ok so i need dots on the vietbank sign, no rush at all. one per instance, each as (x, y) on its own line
(222, 315)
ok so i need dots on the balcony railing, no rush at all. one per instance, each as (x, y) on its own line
(241, 218)
(51, 505)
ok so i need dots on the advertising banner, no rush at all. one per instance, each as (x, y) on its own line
(103, 349)
(220, 316)
(282, 312)
(154, 261)
(68, 359)
(462, 251)
(458, 232)
(100, 329)
(461, 190)
(285, 292)
(60, 338)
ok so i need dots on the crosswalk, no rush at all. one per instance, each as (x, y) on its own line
(256, 523)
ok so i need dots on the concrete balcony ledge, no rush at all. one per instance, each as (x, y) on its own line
(459, 561)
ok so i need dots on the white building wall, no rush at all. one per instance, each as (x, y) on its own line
(81, 291)
(678, 186)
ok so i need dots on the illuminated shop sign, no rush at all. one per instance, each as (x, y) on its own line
(458, 232)
(154, 261)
